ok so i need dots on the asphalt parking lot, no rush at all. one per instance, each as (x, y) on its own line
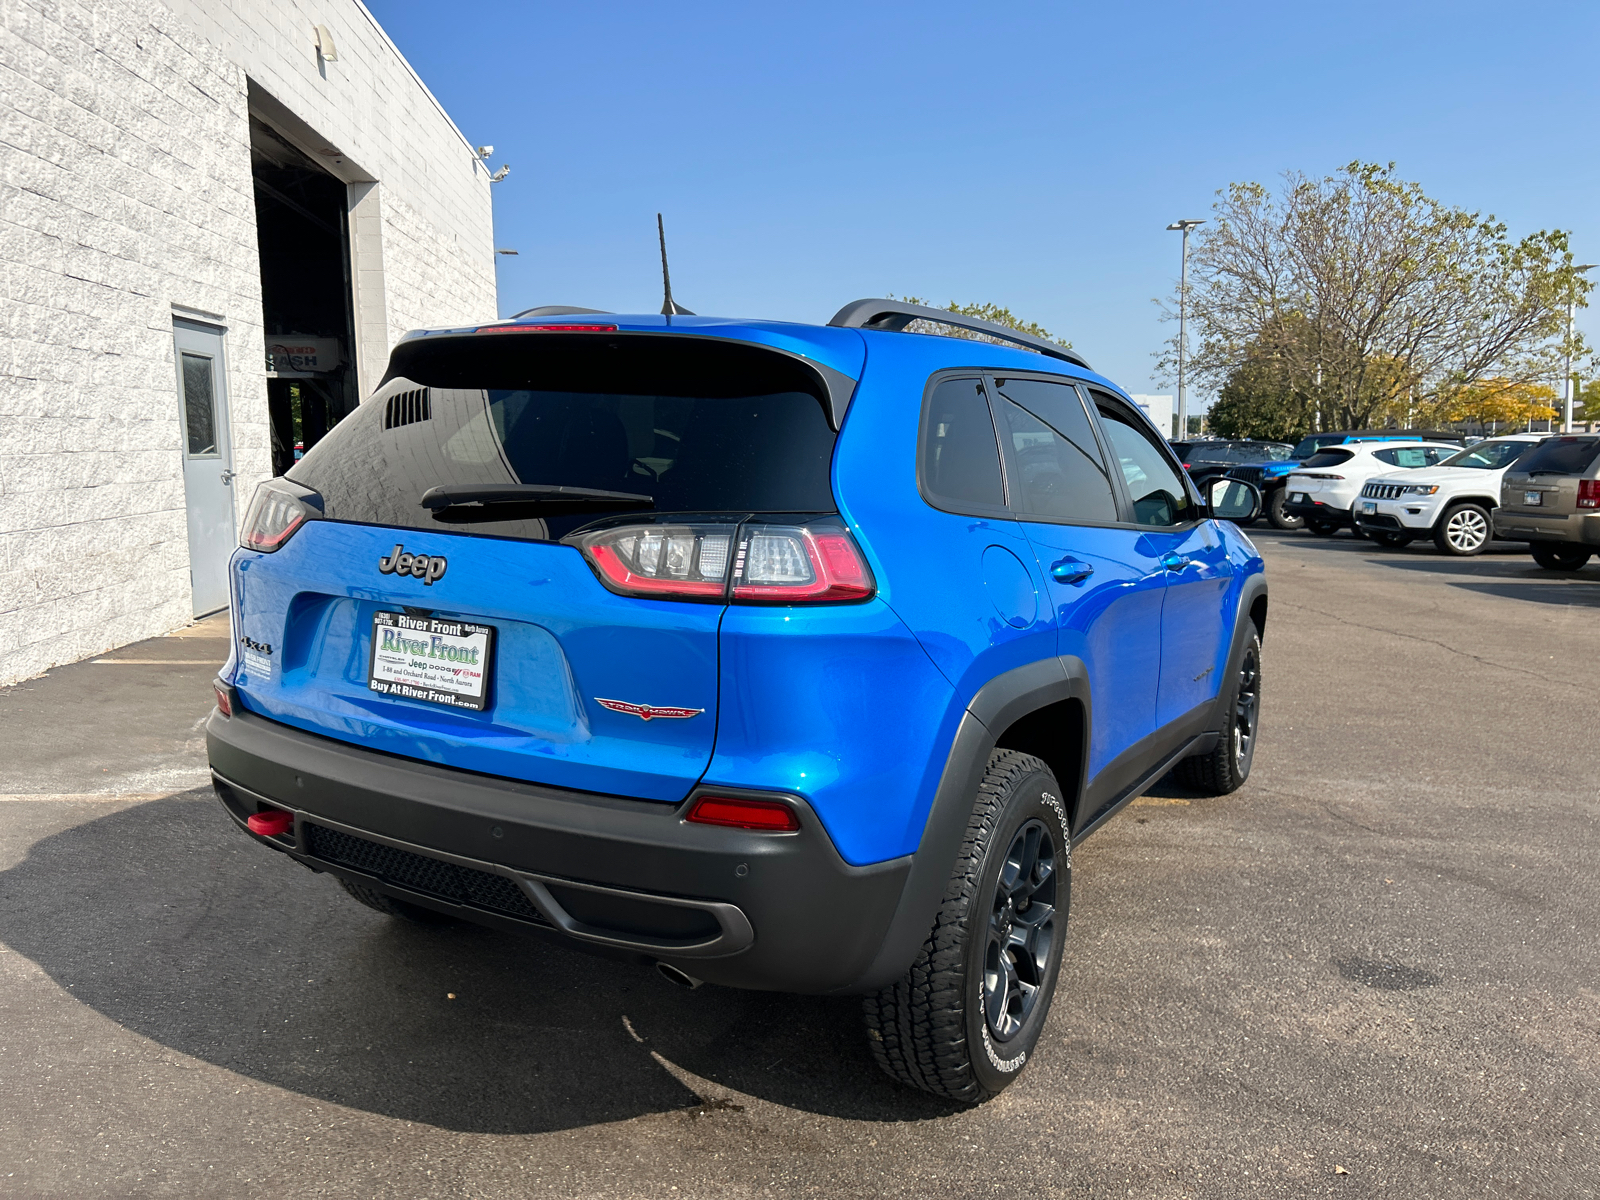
(1371, 972)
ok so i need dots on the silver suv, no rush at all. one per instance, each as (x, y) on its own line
(1551, 497)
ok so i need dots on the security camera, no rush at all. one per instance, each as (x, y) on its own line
(500, 174)
(485, 151)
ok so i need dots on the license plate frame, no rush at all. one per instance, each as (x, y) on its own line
(435, 666)
(1533, 499)
(1297, 497)
(1368, 506)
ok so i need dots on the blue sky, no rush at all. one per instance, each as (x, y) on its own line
(1028, 155)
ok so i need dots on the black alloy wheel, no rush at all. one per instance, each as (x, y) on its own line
(1278, 516)
(1554, 556)
(1022, 930)
(1226, 766)
(964, 1019)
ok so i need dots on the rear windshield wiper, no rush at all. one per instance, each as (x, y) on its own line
(541, 494)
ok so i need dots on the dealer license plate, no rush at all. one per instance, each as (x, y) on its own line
(438, 662)
(1367, 506)
(1533, 499)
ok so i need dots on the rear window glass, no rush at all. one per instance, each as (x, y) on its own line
(707, 428)
(1562, 456)
(1306, 447)
(1328, 458)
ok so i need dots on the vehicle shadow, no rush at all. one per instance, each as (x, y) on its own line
(166, 920)
(1574, 592)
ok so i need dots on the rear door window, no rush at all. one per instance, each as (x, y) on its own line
(960, 457)
(1561, 456)
(1054, 462)
(1412, 456)
(685, 427)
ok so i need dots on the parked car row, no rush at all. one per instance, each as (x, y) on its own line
(1397, 487)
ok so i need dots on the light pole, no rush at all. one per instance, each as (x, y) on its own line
(1572, 305)
(1183, 314)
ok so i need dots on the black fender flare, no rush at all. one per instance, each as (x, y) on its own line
(996, 706)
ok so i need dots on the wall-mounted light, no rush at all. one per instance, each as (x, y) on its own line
(326, 50)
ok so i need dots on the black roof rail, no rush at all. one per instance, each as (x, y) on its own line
(560, 310)
(895, 315)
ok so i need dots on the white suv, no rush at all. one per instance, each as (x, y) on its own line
(1450, 503)
(1324, 488)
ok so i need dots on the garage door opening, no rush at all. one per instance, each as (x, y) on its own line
(302, 226)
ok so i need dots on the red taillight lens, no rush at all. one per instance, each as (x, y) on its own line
(669, 562)
(753, 563)
(271, 822)
(224, 700)
(770, 815)
(546, 329)
(1589, 493)
(780, 564)
(277, 510)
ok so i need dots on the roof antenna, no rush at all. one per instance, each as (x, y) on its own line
(669, 306)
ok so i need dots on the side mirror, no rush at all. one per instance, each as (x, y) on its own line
(1233, 500)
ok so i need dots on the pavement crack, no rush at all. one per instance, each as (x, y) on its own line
(1413, 637)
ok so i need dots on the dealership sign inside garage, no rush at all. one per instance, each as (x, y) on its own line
(298, 356)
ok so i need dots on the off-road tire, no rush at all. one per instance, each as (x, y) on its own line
(930, 1030)
(1276, 517)
(1224, 768)
(391, 906)
(1555, 556)
(1454, 532)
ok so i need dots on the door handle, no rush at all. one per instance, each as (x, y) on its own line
(1173, 561)
(228, 476)
(1070, 570)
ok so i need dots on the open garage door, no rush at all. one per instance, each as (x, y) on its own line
(302, 226)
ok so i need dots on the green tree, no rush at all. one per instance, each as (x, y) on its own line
(984, 312)
(1586, 402)
(1372, 301)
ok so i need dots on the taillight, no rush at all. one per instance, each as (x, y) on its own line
(773, 816)
(671, 562)
(224, 698)
(751, 563)
(794, 564)
(276, 510)
(1589, 493)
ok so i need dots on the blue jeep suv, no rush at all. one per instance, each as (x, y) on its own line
(781, 656)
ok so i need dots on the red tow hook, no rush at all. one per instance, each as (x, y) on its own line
(274, 822)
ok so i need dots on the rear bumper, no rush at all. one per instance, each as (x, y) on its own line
(1580, 529)
(1315, 510)
(758, 910)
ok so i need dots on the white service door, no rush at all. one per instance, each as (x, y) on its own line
(207, 461)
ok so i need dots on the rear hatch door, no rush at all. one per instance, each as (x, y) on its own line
(463, 631)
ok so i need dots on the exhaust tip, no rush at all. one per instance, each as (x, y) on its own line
(672, 975)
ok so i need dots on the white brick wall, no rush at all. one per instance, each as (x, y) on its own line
(125, 190)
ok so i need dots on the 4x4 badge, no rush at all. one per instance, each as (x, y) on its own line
(646, 711)
(422, 566)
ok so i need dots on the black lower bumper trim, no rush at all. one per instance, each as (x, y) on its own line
(742, 908)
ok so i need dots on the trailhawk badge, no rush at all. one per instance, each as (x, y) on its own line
(646, 711)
